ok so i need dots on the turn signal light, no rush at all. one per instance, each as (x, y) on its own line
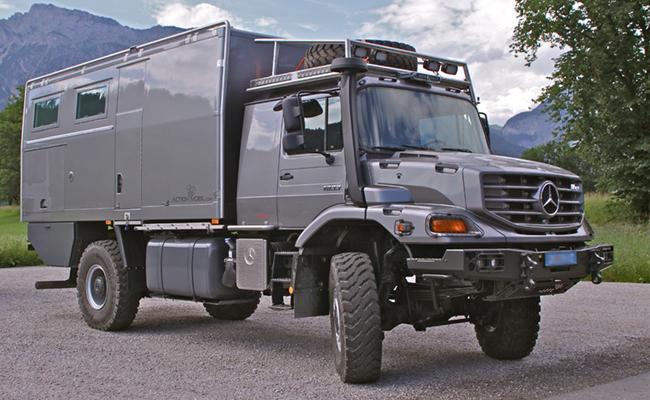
(403, 228)
(448, 225)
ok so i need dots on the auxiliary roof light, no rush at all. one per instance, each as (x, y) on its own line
(451, 69)
(360, 52)
(432, 65)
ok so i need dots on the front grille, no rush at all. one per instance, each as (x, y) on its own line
(514, 199)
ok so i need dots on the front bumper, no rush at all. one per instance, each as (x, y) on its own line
(521, 269)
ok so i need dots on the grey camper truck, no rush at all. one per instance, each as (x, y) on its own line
(346, 178)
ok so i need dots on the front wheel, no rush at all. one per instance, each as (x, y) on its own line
(355, 318)
(507, 330)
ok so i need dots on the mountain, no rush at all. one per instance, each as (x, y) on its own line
(523, 131)
(501, 145)
(48, 38)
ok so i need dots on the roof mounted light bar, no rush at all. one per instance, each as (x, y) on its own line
(323, 73)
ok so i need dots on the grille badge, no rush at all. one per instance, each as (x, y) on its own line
(548, 198)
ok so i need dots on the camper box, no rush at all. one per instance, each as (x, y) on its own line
(149, 133)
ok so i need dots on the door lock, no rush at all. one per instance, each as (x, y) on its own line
(286, 176)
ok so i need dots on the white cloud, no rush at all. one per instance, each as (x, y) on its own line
(5, 6)
(265, 22)
(187, 16)
(476, 31)
(309, 27)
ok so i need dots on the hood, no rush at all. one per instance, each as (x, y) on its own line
(443, 177)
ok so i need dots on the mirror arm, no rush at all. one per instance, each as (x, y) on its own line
(329, 159)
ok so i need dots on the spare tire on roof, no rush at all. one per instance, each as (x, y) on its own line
(323, 54)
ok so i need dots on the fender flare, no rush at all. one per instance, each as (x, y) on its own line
(335, 213)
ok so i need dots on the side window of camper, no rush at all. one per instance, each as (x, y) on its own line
(46, 112)
(91, 102)
(323, 124)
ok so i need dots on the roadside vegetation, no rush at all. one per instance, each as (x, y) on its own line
(616, 224)
(13, 240)
(612, 220)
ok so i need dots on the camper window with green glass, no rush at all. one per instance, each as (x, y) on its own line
(46, 112)
(91, 102)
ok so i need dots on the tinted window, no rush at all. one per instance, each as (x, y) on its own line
(334, 139)
(323, 129)
(91, 102)
(315, 129)
(46, 112)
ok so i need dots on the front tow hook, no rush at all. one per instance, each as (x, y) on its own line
(596, 275)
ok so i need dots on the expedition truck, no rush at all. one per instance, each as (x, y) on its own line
(351, 178)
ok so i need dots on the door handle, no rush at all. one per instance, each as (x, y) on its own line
(119, 183)
(286, 177)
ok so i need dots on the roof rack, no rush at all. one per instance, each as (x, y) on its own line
(324, 73)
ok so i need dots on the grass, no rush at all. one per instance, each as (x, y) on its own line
(614, 224)
(611, 221)
(13, 240)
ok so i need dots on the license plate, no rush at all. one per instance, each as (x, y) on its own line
(560, 258)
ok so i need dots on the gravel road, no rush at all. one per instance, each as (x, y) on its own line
(590, 336)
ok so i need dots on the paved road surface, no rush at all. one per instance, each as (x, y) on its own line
(593, 335)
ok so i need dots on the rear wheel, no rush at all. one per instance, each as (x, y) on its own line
(233, 312)
(355, 318)
(108, 294)
(507, 330)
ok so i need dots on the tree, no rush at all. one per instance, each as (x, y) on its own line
(10, 128)
(601, 80)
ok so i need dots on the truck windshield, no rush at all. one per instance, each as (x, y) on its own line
(393, 119)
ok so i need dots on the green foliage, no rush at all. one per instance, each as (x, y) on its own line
(601, 80)
(13, 240)
(602, 209)
(561, 154)
(614, 223)
(10, 128)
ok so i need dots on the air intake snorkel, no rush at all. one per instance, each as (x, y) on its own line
(350, 68)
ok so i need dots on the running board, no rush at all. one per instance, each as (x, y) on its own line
(67, 284)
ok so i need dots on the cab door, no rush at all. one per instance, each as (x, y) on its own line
(307, 185)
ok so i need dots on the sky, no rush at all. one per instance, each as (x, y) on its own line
(476, 31)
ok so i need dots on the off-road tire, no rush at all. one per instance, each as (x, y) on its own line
(355, 317)
(511, 332)
(233, 312)
(324, 54)
(122, 288)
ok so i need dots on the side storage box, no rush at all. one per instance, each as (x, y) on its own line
(190, 268)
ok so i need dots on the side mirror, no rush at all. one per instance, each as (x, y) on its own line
(293, 142)
(486, 126)
(292, 114)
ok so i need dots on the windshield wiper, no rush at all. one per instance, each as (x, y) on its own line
(415, 147)
(376, 149)
(456, 149)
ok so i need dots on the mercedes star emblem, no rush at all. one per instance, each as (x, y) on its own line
(549, 198)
